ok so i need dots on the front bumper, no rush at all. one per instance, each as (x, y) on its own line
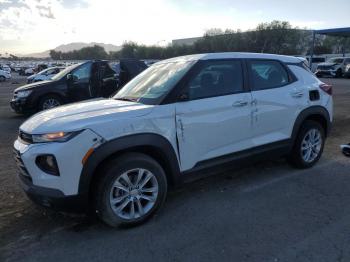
(21, 106)
(60, 192)
(332, 73)
(53, 198)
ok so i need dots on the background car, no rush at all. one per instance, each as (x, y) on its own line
(45, 74)
(335, 67)
(29, 71)
(4, 75)
(5, 68)
(315, 62)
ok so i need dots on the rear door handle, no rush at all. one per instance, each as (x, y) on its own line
(240, 103)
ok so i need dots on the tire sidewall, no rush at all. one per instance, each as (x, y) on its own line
(112, 172)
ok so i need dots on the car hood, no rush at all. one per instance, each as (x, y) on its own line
(327, 64)
(34, 85)
(83, 115)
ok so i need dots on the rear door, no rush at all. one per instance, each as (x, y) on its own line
(278, 97)
(216, 119)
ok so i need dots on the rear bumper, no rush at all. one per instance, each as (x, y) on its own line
(53, 198)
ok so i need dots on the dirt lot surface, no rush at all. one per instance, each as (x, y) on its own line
(269, 212)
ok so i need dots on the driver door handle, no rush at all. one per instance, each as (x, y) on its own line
(240, 103)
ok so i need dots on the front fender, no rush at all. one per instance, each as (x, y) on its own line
(129, 143)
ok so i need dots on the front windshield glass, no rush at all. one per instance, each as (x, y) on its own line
(336, 60)
(153, 84)
(64, 72)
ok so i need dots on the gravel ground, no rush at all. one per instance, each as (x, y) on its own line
(269, 212)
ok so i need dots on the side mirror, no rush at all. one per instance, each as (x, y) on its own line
(69, 77)
(72, 78)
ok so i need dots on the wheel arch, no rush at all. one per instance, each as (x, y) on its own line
(153, 145)
(315, 113)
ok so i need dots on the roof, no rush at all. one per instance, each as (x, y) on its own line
(208, 56)
(345, 32)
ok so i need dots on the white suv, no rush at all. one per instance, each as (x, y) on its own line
(178, 119)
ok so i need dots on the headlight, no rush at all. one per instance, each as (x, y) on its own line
(54, 137)
(24, 93)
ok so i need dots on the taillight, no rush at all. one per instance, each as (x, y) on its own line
(327, 88)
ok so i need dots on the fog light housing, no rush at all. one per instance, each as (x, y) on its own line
(48, 164)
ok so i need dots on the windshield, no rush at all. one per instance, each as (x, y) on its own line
(336, 60)
(65, 71)
(153, 84)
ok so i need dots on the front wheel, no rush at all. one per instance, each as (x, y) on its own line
(49, 102)
(339, 73)
(131, 189)
(308, 146)
(2, 79)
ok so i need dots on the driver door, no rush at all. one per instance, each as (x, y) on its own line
(79, 83)
(216, 119)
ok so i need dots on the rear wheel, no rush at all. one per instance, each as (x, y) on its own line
(132, 188)
(49, 102)
(308, 146)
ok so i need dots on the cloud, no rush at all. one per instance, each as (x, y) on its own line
(45, 11)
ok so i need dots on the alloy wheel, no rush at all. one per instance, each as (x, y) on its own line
(50, 103)
(134, 193)
(311, 145)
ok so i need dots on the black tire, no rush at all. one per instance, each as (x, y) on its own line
(295, 158)
(2, 79)
(47, 98)
(111, 173)
(339, 73)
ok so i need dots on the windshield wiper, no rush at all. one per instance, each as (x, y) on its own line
(130, 99)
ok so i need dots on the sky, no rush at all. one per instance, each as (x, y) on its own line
(28, 26)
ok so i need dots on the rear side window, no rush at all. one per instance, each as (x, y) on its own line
(267, 74)
(216, 78)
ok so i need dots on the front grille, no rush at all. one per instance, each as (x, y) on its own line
(22, 169)
(27, 138)
(321, 67)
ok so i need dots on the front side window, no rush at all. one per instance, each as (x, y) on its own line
(216, 78)
(65, 71)
(83, 73)
(153, 84)
(267, 74)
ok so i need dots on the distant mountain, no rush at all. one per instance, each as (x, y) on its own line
(74, 46)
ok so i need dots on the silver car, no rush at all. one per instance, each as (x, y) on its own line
(335, 67)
